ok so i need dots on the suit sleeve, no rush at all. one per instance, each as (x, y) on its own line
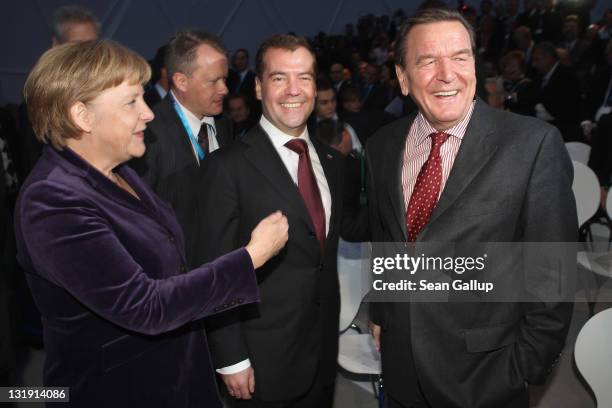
(377, 309)
(219, 234)
(71, 243)
(549, 215)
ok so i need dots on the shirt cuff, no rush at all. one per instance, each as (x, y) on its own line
(234, 368)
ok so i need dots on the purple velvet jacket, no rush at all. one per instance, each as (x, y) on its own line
(119, 308)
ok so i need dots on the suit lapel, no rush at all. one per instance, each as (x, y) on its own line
(224, 130)
(175, 128)
(476, 150)
(395, 153)
(264, 157)
(330, 168)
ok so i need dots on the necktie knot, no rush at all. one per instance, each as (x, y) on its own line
(297, 145)
(437, 140)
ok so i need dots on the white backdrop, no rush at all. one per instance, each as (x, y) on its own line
(143, 25)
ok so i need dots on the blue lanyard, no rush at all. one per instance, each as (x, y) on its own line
(192, 138)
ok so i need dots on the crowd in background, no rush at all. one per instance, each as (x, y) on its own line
(544, 60)
(537, 59)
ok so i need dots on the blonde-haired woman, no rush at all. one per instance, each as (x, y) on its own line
(104, 255)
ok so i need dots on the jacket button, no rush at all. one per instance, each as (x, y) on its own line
(182, 269)
(240, 300)
(171, 239)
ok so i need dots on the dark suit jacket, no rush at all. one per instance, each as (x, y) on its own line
(170, 167)
(499, 189)
(151, 96)
(108, 274)
(246, 87)
(561, 98)
(374, 100)
(293, 332)
(522, 96)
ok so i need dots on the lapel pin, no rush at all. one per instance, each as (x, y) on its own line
(329, 156)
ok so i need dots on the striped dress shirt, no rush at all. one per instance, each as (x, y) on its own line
(418, 146)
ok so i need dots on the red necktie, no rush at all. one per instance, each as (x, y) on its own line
(426, 189)
(307, 185)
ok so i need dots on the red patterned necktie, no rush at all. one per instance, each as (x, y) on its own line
(426, 189)
(309, 190)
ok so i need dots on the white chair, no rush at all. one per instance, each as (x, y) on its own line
(593, 354)
(354, 281)
(579, 152)
(600, 263)
(586, 192)
(356, 351)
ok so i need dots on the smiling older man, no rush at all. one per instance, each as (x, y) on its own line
(430, 174)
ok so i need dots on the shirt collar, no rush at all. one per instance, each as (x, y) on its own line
(194, 122)
(279, 138)
(424, 128)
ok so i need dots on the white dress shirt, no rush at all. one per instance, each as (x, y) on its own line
(195, 124)
(290, 160)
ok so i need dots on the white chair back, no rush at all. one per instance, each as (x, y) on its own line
(586, 192)
(353, 262)
(609, 203)
(593, 353)
(579, 152)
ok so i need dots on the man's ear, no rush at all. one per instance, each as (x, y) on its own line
(258, 88)
(180, 81)
(81, 116)
(402, 78)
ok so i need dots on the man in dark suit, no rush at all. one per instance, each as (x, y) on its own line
(373, 97)
(458, 171)
(158, 85)
(559, 100)
(240, 114)
(336, 75)
(283, 351)
(187, 127)
(522, 40)
(241, 79)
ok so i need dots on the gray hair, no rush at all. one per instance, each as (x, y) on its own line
(428, 16)
(72, 14)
